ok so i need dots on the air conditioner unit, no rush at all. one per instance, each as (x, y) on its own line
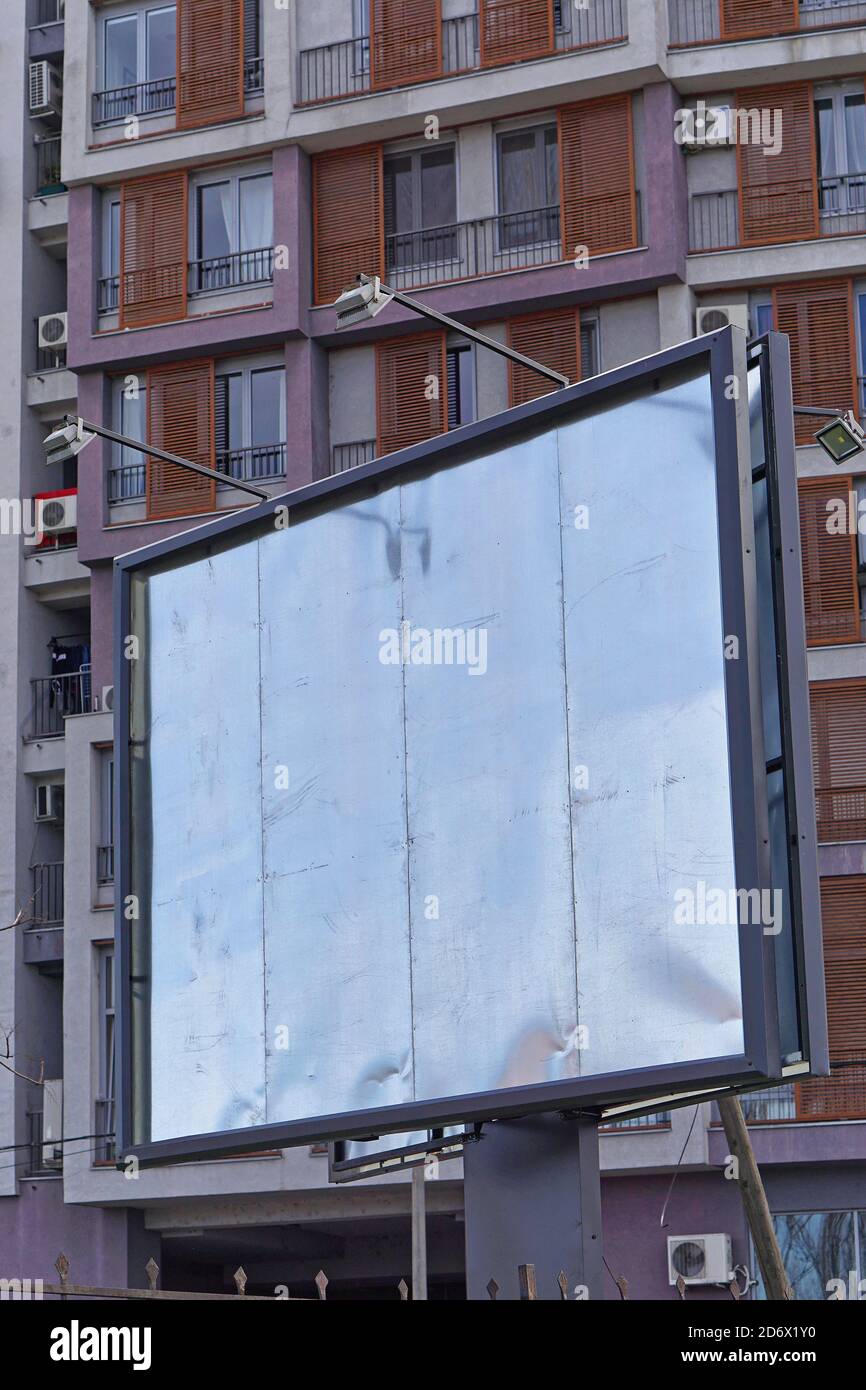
(105, 701)
(707, 128)
(49, 802)
(56, 511)
(45, 89)
(700, 1259)
(53, 330)
(712, 317)
(52, 1124)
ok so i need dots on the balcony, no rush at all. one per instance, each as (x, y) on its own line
(253, 463)
(694, 22)
(50, 11)
(158, 96)
(55, 697)
(344, 456)
(48, 179)
(483, 246)
(231, 272)
(104, 864)
(47, 895)
(714, 218)
(339, 70)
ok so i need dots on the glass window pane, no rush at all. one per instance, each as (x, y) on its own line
(551, 153)
(816, 1247)
(519, 182)
(398, 195)
(161, 49)
(214, 220)
(266, 404)
(112, 248)
(438, 188)
(132, 411)
(825, 131)
(855, 139)
(257, 213)
(121, 51)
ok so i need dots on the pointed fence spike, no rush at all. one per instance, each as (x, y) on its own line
(322, 1284)
(151, 1269)
(622, 1285)
(61, 1264)
(735, 1290)
(562, 1281)
(493, 1288)
(526, 1279)
(240, 1277)
(681, 1286)
(403, 1290)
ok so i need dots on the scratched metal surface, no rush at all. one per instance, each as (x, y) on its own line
(644, 647)
(207, 1028)
(376, 883)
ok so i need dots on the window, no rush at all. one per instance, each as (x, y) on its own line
(824, 1253)
(108, 288)
(589, 350)
(138, 60)
(232, 231)
(361, 33)
(105, 845)
(104, 1117)
(840, 141)
(528, 174)
(129, 417)
(460, 362)
(763, 319)
(420, 194)
(250, 411)
(861, 347)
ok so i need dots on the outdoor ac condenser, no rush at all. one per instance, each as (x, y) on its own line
(700, 1259)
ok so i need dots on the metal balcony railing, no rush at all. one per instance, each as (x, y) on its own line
(776, 1103)
(232, 271)
(714, 220)
(699, 21)
(50, 359)
(842, 204)
(126, 484)
(345, 456)
(54, 697)
(254, 76)
(138, 99)
(255, 461)
(334, 71)
(47, 894)
(660, 1120)
(108, 294)
(105, 863)
(48, 166)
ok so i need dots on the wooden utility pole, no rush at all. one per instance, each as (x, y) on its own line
(755, 1200)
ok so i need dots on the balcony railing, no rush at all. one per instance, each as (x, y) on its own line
(335, 71)
(660, 1120)
(256, 461)
(104, 1126)
(764, 1107)
(48, 166)
(105, 863)
(108, 294)
(345, 456)
(50, 359)
(483, 246)
(254, 76)
(47, 894)
(54, 697)
(126, 484)
(699, 21)
(714, 217)
(138, 99)
(232, 271)
(714, 221)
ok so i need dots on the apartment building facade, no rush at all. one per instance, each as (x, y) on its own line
(193, 186)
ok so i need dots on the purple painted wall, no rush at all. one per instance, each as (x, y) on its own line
(104, 1245)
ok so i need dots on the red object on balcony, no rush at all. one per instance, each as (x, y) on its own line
(51, 541)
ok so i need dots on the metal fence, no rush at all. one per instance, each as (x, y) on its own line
(105, 863)
(842, 204)
(776, 1103)
(50, 359)
(260, 461)
(345, 456)
(232, 271)
(714, 220)
(126, 484)
(48, 165)
(54, 697)
(699, 21)
(137, 99)
(47, 894)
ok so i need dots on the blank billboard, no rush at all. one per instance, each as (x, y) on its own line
(446, 788)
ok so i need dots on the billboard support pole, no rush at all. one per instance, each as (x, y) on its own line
(755, 1203)
(532, 1193)
(419, 1235)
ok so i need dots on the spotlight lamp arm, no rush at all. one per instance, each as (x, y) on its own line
(426, 312)
(87, 427)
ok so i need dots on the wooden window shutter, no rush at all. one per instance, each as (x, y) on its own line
(597, 186)
(553, 338)
(210, 62)
(511, 30)
(349, 223)
(842, 1095)
(153, 249)
(839, 758)
(404, 414)
(406, 41)
(778, 192)
(818, 316)
(751, 19)
(830, 592)
(180, 418)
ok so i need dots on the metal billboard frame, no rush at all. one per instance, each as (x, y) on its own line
(723, 355)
